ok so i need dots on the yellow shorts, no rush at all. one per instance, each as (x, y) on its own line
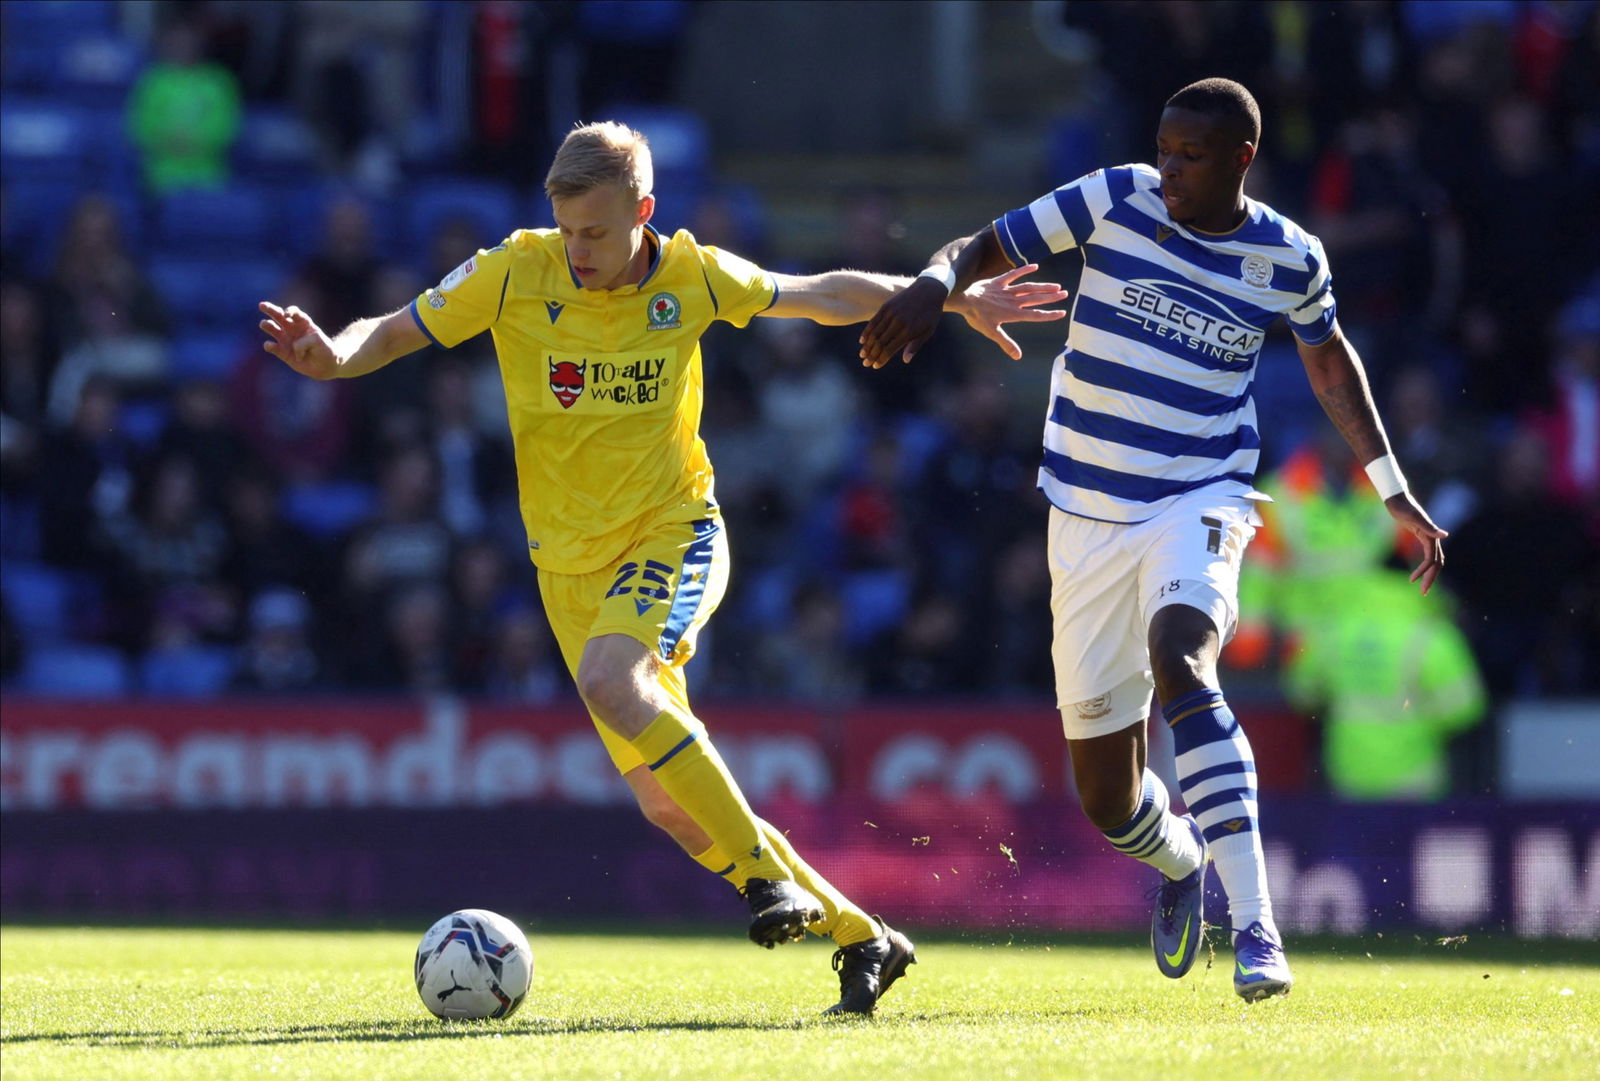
(659, 593)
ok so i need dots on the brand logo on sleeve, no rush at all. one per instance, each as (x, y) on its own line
(459, 275)
(665, 312)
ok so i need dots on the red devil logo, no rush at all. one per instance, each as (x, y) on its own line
(566, 381)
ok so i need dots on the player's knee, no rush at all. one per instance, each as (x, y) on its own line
(608, 686)
(1108, 803)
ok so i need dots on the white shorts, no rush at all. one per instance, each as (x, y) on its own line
(1108, 579)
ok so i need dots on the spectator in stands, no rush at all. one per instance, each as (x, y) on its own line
(1377, 213)
(808, 402)
(476, 472)
(927, 653)
(169, 550)
(751, 460)
(1443, 448)
(630, 51)
(356, 79)
(978, 491)
(1517, 246)
(405, 544)
(413, 650)
(87, 479)
(1393, 682)
(344, 270)
(202, 432)
(1009, 629)
(109, 318)
(874, 515)
(12, 648)
(525, 668)
(480, 592)
(184, 114)
(870, 233)
(28, 352)
(388, 403)
(279, 655)
(1527, 576)
(1324, 530)
(1570, 425)
(264, 548)
(299, 427)
(805, 657)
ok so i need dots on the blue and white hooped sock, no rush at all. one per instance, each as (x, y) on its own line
(1217, 776)
(1155, 835)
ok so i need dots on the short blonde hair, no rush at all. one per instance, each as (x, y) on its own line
(603, 153)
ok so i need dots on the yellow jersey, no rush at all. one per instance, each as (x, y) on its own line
(603, 387)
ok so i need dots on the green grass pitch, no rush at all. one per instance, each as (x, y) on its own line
(111, 1004)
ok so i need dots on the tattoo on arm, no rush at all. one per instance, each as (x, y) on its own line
(1349, 406)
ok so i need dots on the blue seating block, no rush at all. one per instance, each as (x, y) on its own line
(490, 207)
(215, 294)
(74, 671)
(331, 508)
(238, 220)
(212, 356)
(187, 672)
(39, 600)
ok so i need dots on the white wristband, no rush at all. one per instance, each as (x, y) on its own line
(1386, 476)
(943, 274)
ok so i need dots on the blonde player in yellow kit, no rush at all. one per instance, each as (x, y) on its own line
(597, 325)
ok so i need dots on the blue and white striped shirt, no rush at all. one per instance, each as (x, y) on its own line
(1151, 398)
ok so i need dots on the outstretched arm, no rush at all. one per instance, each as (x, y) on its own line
(364, 346)
(840, 297)
(1340, 384)
(909, 319)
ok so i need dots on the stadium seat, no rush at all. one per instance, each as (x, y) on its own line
(57, 21)
(874, 601)
(1076, 146)
(39, 600)
(186, 672)
(331, 508)
(215, 294)
(42, 139)
(221, 223)
(19, 526)
(490, 207)
(74, 671)
(209, 356)
(143, 420)
(680, 143)
(275, 145)
(97, 70)
(37, 35)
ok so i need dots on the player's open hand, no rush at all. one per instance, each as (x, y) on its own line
(988, 304)
(1409, 513)
(298, 342)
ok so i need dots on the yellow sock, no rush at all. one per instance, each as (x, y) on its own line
(688, 768)
(844, 921)
(717, 862)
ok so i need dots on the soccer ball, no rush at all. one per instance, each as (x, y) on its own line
(473, 964)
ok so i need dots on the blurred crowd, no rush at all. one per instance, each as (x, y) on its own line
(183, 515)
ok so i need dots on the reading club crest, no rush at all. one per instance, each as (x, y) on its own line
(1257, 270)
(665, 312)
